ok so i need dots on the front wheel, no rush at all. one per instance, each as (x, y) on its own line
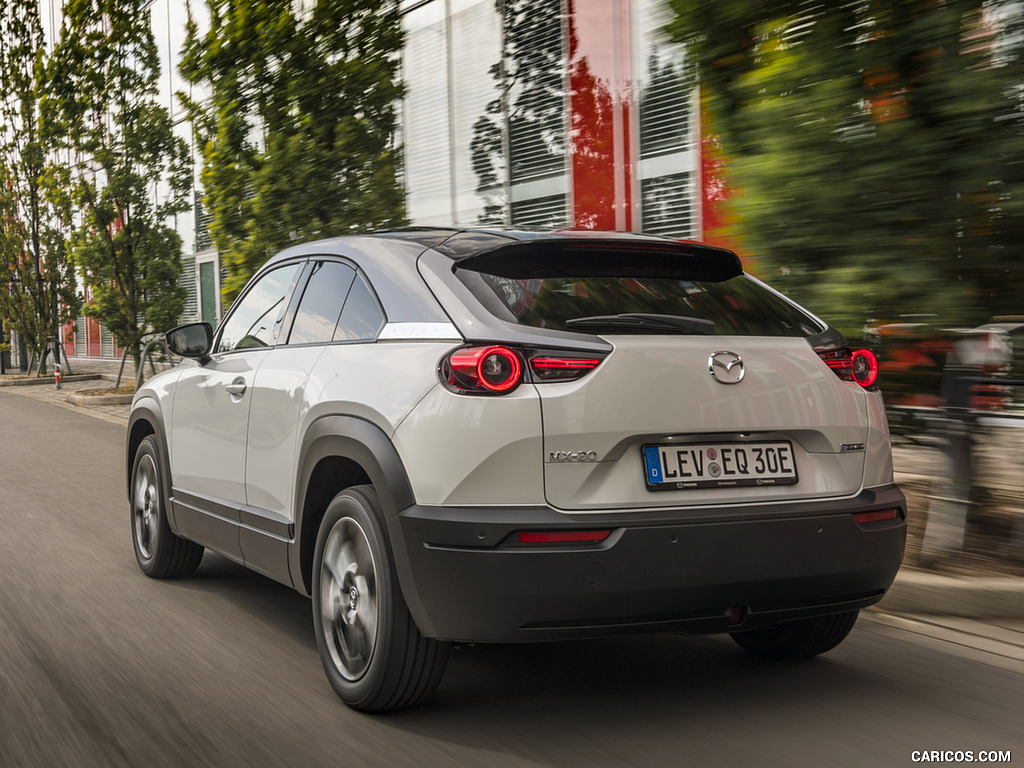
(159, 551)
(800, 639)
(372, 651)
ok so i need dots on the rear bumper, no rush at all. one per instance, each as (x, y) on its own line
(466, 577)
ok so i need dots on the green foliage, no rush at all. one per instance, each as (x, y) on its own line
(877, 150)
(297, 137)
(101, 104)
(37, 282)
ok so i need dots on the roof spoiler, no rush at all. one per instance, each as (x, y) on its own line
(541, 258)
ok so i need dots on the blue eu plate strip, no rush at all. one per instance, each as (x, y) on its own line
(653, 464)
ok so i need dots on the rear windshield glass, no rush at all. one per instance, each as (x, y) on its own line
(737, 307)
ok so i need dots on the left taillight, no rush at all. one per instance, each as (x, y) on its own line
(496, 369)
(493, 369)
(859, 365)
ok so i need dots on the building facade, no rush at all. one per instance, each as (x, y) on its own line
(548, 113)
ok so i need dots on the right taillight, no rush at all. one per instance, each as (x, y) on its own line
(860, 365)
(865, 367)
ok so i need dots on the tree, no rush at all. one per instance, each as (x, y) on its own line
(876, 149)
(297, 138)
(102, 88)
(37, 281)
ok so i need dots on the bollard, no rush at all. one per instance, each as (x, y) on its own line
(56, 375)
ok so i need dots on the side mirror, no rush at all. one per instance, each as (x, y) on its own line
(192, 340)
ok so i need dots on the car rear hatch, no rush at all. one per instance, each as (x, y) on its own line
(652, 427)
(711, 389)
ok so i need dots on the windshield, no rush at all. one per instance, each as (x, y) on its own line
(740, 306)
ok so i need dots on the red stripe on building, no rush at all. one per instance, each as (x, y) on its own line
(599, 114)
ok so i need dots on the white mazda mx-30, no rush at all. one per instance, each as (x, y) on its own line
(472, 435)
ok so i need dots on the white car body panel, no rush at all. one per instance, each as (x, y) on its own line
(658, 389)
(878, 467)
(474, 450)
(357, 380)
(277, 410)
(209, 426)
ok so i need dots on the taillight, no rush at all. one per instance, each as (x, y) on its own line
(865, 367)
(495, 369)
(560, 368)
(492, 369)
(860, 366)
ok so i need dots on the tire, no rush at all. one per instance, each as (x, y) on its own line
(160, 553)
(372, 651)
(799, 639)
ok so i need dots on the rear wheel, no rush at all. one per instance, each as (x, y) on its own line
(372, 651)
(799, 639)
(159, 551)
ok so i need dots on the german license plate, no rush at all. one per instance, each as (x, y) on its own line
(719, 465)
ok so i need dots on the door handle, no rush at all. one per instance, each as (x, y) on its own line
(236, 388)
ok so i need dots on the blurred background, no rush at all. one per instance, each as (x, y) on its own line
(865, 158)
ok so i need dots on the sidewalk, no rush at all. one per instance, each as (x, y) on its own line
(85, 377)
(984, 588)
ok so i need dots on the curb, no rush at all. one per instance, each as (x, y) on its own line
(28, 381)
(76, 399)
(970, 597)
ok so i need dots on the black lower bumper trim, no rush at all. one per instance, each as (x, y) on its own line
(463, 580)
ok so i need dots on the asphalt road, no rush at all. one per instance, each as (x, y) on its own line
(101, 666)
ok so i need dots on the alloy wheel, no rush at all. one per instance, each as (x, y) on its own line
(348, 598)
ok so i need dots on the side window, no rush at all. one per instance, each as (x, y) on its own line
(361, 319)
(254, 318)
(321, 303)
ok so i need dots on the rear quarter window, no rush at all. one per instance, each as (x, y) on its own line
(321, 303)
(362, 318)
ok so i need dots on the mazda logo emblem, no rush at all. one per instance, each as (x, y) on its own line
(726, 367)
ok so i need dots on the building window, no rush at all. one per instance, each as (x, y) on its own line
(667, 205)
(668, 160)
(484, 118)
(425, 115)
(207, 284)
(536, 71)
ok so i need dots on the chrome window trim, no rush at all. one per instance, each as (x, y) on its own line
(419, 332)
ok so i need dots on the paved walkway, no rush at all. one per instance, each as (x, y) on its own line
(48, 392)
(985, 587)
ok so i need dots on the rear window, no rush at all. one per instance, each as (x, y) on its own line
(739, 306)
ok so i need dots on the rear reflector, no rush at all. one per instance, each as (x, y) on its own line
(879, 516)
(563, 537)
